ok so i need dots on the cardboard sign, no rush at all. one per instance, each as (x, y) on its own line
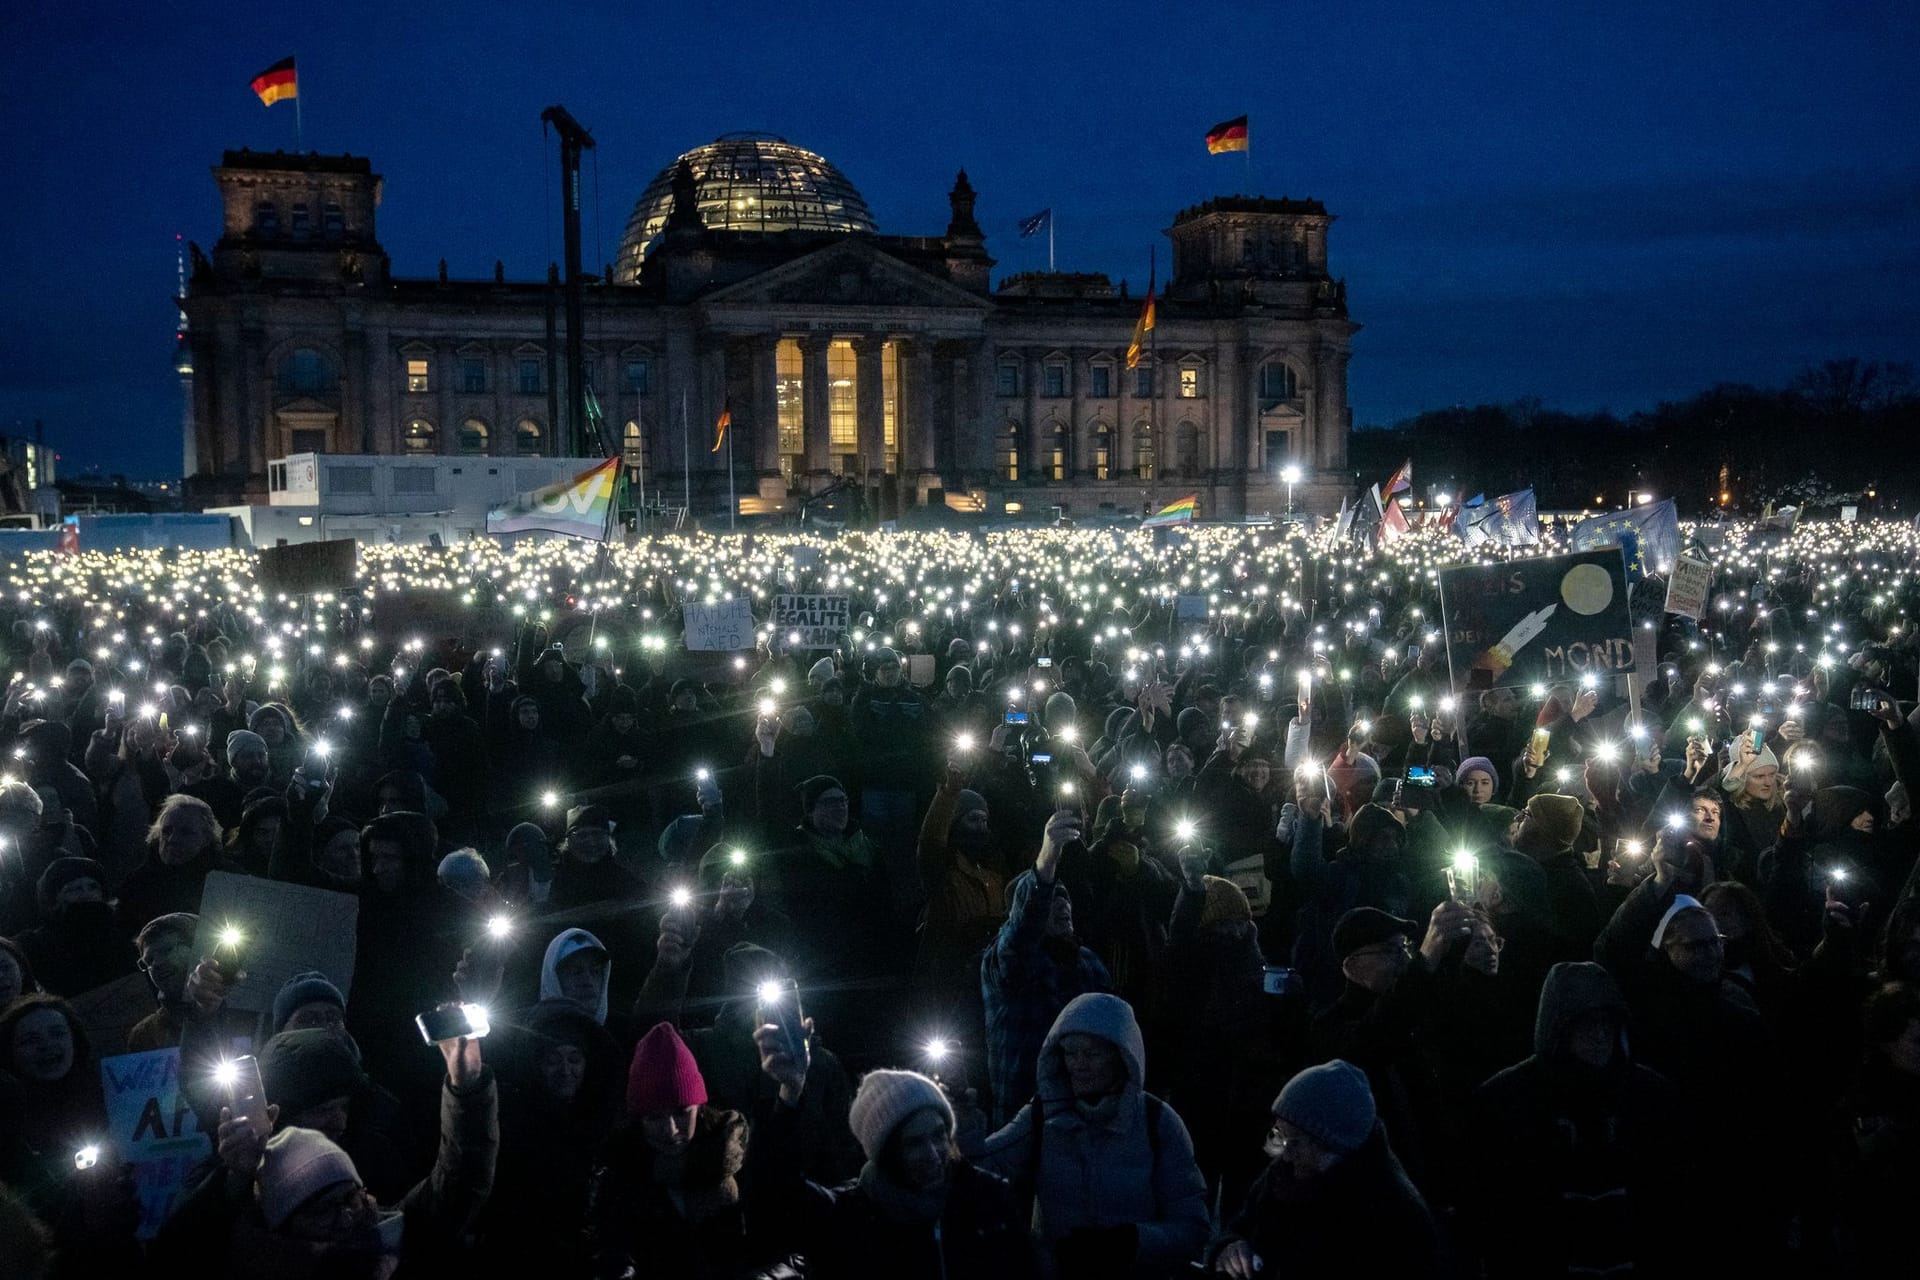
(308, 567)
(726, 627)
(1553, 619)
(110, 1010)
(151, 1127)
(920, 669)
(820, 620)
(1688, 587)
(288, 929)
(1190, 608)
(1849, 515)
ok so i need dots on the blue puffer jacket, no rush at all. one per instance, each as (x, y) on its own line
(1101, 1167)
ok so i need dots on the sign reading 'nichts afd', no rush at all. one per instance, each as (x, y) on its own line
(820, 620)
(1556, 618)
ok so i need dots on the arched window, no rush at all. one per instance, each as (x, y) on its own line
(633, 448)
(306, 372)
(1010, 452)
(1102, 451)
(1187, 445)
(473, 436)
(1277, 383)
(420, 436)
(1057, 456)
(1143, 451)
(526, 436)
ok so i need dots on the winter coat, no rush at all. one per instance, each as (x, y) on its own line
(1579, 1167)
(1125, 1162)
(854, 1232)
(695, 1228)
(1361, 1219)
(1026, 979)
(966, 901)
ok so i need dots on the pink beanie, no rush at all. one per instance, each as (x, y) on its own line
(664, 1076)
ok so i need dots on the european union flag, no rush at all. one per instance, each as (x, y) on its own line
(1656, 525)
(1510, 520)
(1036, 224)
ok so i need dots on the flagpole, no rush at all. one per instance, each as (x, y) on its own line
(299, 132)
(733, 502)
(686, 456)
(1153, 380)
(1050, 244)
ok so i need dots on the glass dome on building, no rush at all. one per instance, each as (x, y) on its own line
(748, 182)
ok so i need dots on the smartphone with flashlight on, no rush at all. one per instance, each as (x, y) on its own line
(1015, 716)
(246, 1095)
(780, 1005)
(1043, 663)
(1463, 877)
(452, 1022)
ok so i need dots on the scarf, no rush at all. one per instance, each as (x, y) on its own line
(849, 850)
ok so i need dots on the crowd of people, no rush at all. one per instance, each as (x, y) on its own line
(1095, 904)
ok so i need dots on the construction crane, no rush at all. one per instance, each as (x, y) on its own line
(581, 434)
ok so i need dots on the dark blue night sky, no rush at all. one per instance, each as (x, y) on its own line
(1601, 205)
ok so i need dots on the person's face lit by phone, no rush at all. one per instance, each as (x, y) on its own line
(318, 1015)
(1093, 1066)
(273, 730)
(527, 715)
(563, 1069)
(582, 977)
(669, 1133)
(1763, 783)
(42, 1048)
(1179, 763)
(1478, 784)
(1378, 968)
(1256, 774)
(1483, 948)
(917, 1151)
(829, 813)
(1706, 818)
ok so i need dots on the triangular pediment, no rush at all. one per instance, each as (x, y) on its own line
(852, 274)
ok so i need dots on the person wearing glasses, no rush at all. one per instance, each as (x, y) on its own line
(1335, 1201)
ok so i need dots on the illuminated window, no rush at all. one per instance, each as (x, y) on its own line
(1100, 381)
(419, 437)
(1057, 456)
(530, 382)
(1189, 383)
(1054, 381)
(473, 436)
(1277, 383)
(890, 402)
(417, 379)
(1007, 379)
(1102, 453)
(1143, 451)
(1010, 452)
(843, 385)
(526, 436)
(788, 397)
(633, 448)
(473, 376)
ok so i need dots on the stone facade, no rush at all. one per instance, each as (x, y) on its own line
(887, 360)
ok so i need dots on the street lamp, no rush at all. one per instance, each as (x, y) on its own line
(1291, 474)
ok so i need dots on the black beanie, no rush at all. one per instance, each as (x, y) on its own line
(302, 1069)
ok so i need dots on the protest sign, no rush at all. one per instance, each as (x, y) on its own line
(1688, 586)
(151, 1127)
(919, 670)
(109, 1011)
(820, 620)
(1551, 619)
(308, 567)
(285, 929)
(720, 628)
(1190, 608)
(1849, 515)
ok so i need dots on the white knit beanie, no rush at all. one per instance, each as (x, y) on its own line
(886, 1098)
(298, 1165)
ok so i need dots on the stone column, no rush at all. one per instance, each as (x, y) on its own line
(440, 370)
(1080, 455)
(765, 415)
(1031, 466)
(817, 431)
(869, 407)
(669, 474)
(708, 402)
(941, 463)
(917, 410)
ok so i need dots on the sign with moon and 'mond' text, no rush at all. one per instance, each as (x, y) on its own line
(1524, 621)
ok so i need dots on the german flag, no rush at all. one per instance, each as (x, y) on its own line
(720, 426)
(1140, 330)
(276, 82)
(1228, 135)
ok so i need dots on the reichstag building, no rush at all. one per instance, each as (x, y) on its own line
(752, 280)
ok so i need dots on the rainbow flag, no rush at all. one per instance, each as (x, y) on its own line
(580, 508)
(1172, 513)
(278, 81)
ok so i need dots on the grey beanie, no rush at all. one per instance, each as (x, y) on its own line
(886, 1098)
(297, 1165)
(1331, 1103)
(245, 740)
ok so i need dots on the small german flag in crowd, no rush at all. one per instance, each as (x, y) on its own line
(277, 82)
(1229, 135)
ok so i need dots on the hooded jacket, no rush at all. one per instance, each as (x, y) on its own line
(1099, 1167)
(1026, 979)
(567, 943)
(1581, 1165)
